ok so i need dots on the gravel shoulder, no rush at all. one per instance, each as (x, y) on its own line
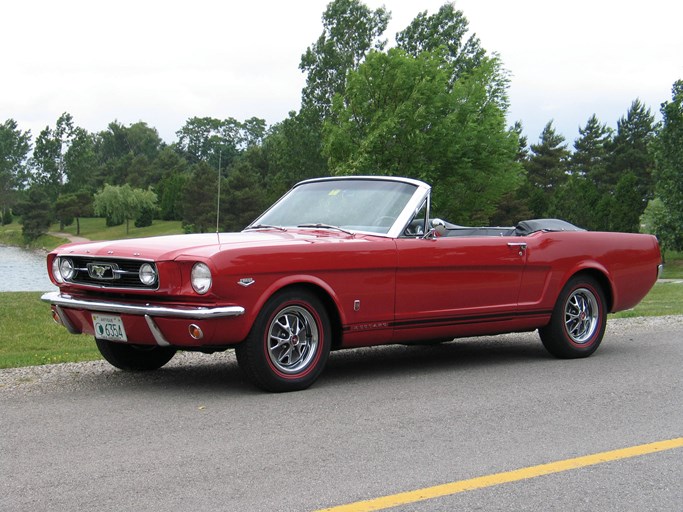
(73, 376)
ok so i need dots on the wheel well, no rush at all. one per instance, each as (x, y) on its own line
(330, 307)
(604, 283)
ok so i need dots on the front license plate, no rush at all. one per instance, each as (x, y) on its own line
(109, 327)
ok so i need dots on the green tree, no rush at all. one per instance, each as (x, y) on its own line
(252, 132)
(578, 199)
(448, 30)
(80, 162)
(199, 199)
(107, 203)
(218, 141)
(294, 146)
(125, 153)
(123, 203)
(14, 148)
(401, 116)
(294, 149)
(575, 201)
(668, 214)
(522, 142)
(243, 196)
(350, 31)
(72, 206)
(590, 150)
(203, 139)
(48, 162)
(145, 216)
(546, 169)
(632, 151)
(45, 162)
(628, 205)
(656, 220)
(171, 172)
(512, 206)
(36, 213)
(170, 191)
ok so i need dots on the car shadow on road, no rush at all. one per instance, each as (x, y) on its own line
(187, 372)
(220, 373)
(464, 354)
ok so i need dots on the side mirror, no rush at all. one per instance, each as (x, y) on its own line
(438, 229)
(439, 226)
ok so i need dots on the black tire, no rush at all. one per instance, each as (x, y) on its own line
(578, 321)
(289, 344)
(135, 358)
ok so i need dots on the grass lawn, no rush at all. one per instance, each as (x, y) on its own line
(664, 299)
(95, 228)
(673, 265)
(10, 234)
(29, 336)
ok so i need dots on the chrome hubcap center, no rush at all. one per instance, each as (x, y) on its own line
(293, 339)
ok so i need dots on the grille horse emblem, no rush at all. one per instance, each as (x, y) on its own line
(99, 271)
(104, 271)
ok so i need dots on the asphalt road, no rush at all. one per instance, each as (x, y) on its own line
(195, 436)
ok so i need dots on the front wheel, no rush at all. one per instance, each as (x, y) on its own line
(578, 321)
(289, 343)
(135, 358)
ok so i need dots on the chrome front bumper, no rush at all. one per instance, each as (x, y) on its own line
(195, 313)
(148, 311)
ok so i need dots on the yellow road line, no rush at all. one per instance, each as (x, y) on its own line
(437, 491)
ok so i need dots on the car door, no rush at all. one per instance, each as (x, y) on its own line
(450, 286)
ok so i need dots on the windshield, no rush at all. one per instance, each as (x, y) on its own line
(357, 205)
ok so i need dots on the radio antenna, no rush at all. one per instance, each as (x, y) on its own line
(218, 200)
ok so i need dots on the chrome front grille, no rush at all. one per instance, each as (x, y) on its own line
(110, 272)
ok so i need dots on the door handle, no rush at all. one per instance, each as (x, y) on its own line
(520, 246)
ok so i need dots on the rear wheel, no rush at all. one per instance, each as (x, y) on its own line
(578, 321)
(135, 357)
(289, 343)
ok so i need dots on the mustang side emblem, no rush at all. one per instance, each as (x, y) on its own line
(104, 271)
(246, 281)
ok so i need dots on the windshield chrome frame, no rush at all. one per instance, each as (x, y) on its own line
(421, 194)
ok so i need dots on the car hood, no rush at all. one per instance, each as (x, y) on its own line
(165, 248)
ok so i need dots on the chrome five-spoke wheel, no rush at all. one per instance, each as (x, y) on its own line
(293, 339)
(581, 315)
(289, 343)
(578, 320)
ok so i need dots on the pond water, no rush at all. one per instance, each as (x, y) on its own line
(23, 271)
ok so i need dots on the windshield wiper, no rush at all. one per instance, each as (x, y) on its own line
(264, 226)
(325, 226)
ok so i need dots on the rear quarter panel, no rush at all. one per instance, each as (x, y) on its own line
(628, 262)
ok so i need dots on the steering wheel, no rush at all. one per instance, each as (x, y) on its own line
(415, 228)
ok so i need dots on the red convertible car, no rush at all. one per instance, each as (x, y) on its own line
(341, 263)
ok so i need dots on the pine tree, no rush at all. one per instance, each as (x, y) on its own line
(590, 150)
(546, 170)
(632, 151)
(669, 173)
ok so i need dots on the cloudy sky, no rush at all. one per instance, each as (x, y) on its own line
(163, 62)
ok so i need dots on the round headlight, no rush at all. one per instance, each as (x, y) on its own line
(66, 268)
(201, 278)
(55, 271)
(148, 274)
